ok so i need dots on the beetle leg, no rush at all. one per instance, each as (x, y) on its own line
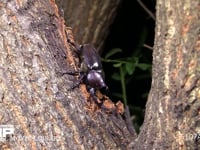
(77, 83)
(92, 91)
(94, 97)
(72, 42)
(72, 73)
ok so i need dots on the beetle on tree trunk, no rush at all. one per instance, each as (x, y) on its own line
(91, 71)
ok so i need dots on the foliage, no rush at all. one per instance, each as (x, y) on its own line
(127, 67)
(131, 70)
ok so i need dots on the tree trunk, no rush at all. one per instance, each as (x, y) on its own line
(90, 19)
(34, 96)
(172, 110)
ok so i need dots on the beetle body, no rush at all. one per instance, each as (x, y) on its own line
(91, 72)
(90, 60)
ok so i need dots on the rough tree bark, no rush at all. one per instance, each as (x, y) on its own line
(34, 96)
(90, 19)
(173, 107)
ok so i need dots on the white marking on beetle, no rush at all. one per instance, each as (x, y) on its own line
(96, 64)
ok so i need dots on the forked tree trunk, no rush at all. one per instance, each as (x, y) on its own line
(34, 96)
(172, 111)
(90, 19)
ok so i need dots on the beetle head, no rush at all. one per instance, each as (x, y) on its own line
(95, 80)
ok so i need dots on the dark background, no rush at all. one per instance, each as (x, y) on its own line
(132, 26)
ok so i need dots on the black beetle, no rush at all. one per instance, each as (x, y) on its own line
(91, 72)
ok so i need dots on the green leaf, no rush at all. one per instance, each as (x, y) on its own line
(117, 65)
(130, 68)
(135, 59)
(116, 76)
(144, 66)
(112, 52)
